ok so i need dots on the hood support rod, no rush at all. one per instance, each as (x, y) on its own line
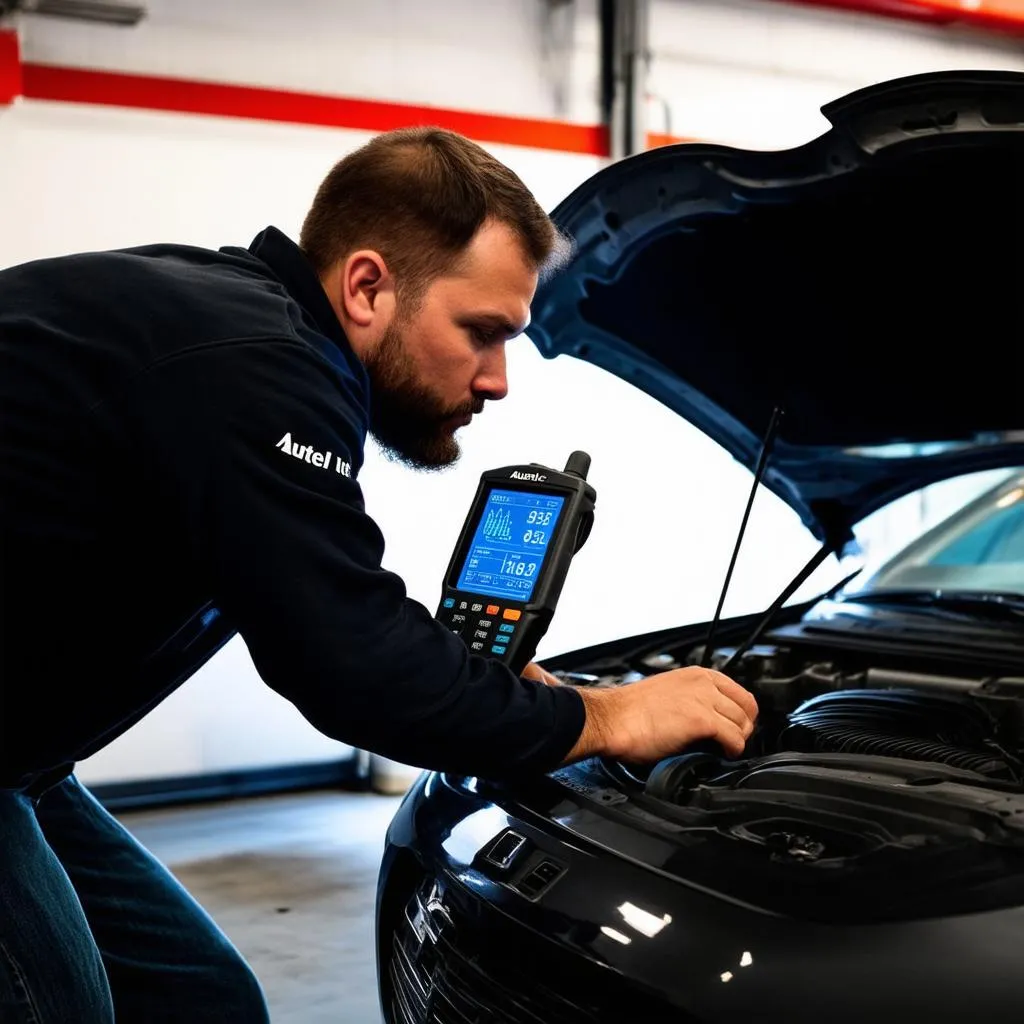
(762, 464)
(801, 577)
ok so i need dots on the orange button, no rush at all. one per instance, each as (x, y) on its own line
(512, 614)
(492, 609)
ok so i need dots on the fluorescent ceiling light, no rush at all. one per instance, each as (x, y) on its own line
(103, 11)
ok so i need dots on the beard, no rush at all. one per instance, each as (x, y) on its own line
(409, 422)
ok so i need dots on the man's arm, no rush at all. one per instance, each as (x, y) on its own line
(658, 716)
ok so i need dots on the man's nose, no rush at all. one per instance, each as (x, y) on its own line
(491, 382)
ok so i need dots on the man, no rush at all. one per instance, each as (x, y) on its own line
(182, 431)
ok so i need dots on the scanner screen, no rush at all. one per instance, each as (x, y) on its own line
(507, 552)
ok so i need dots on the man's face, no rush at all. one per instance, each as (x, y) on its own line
(434, 367)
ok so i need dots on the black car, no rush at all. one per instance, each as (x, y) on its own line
(864, 859)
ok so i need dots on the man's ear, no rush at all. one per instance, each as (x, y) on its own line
(367, 290)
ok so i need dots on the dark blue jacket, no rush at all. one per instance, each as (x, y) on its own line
(181, 434)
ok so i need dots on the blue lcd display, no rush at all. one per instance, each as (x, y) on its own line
(508, 548)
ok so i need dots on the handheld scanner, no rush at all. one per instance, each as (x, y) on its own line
(512, 557)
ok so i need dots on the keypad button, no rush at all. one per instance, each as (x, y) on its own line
(481, 634)
(456, 618)
(512, 614)
(477, 608)
(449, 602)
(493, 609)
(476, 645)
(463, 605)
(506, 629)
(499, 650)
(485, 623)
(502, 638)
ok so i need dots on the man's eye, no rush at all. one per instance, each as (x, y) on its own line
(483, 335)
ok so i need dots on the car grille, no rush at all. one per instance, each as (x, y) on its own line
(440, 975)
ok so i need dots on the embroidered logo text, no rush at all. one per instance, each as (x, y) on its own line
(307, 453)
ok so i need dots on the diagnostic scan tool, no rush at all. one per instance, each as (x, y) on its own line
(512, 557)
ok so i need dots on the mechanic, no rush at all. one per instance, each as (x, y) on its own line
(182, 433)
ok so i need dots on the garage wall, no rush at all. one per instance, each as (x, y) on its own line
(519, 57)
(755, 73)
(76, 177)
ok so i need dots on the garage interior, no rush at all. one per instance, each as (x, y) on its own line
(202, 121)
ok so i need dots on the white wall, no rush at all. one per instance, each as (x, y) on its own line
(499, 56)
(74, 178)
(755, 74)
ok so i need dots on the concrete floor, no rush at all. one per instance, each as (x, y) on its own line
(291, 880)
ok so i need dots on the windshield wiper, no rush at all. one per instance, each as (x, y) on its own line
(1005, 607)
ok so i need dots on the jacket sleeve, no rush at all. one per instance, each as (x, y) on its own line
(256, 446)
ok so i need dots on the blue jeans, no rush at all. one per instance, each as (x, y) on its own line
(93, 928)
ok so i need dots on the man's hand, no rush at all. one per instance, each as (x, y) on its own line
(538, 675)
(659, 716)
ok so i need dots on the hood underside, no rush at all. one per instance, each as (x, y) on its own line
(868, 284)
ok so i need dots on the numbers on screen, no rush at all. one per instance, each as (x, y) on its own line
(517, 567)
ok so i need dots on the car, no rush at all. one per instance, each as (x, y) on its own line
(844, 318)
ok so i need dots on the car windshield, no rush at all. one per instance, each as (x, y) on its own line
(978, 549)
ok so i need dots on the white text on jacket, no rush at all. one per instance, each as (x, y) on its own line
(307, 453)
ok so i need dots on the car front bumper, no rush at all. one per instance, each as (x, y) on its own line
(582, 926)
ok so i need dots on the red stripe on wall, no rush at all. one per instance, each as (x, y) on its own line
(657, 139)
(10, 66)
(147, 92)
(1005, 16)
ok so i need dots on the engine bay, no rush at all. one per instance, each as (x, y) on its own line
(833, 712)
(880, 777)
(847, 703)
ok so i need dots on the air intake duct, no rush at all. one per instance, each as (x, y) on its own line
(916, 726)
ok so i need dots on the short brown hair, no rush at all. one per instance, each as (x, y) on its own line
(418, 196)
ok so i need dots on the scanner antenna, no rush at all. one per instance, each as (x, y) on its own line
(762, 463)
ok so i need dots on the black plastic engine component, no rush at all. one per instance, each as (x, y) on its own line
(860, 741)
(674, 775)
(918, 726)
(951, 718)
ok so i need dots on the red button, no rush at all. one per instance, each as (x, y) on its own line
(492, 609)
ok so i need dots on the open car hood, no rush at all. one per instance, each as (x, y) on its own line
(869, 283)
